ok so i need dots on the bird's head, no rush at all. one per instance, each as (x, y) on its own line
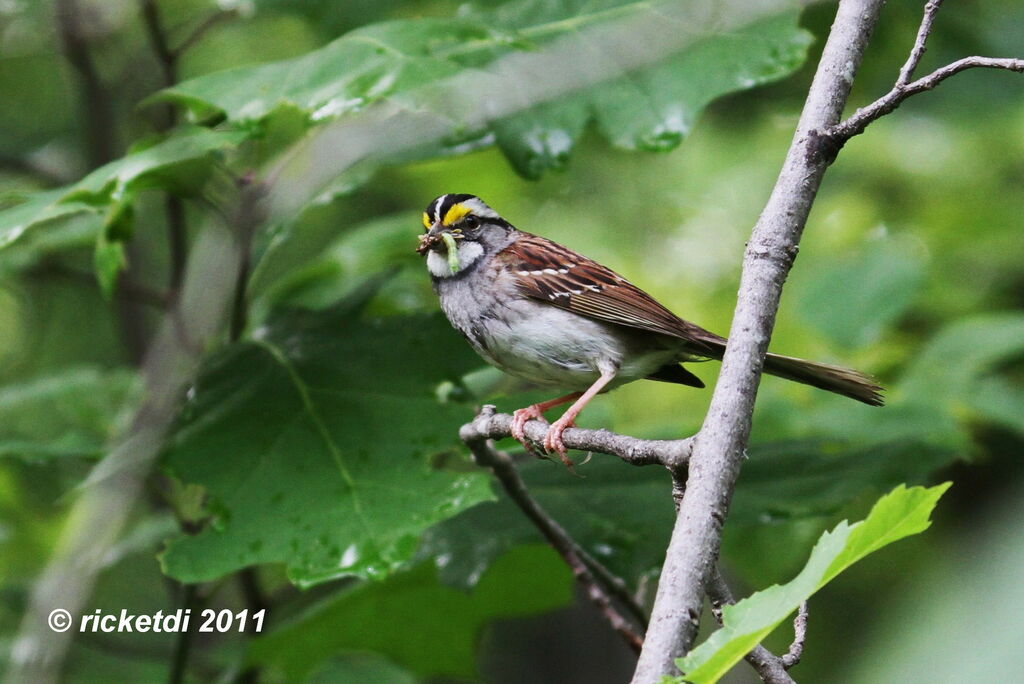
(460, 230)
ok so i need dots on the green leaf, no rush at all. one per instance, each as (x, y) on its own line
(70, 413)
(423, 626)
(957, 368)
(899, 514)
(313, 442)
(109, 260)
(651, 108)
(854, 298)
(180, 164)
(609, 510)
(787, 481)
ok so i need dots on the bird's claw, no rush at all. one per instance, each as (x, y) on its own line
(553, 443)
(518, 428)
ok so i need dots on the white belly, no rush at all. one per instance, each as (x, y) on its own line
(553, 347)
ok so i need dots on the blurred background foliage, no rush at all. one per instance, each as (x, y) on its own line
(911, 269)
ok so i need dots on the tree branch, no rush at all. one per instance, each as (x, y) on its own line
(673, 454)
(768, 666)
(476, 436)
(489, 425)
(719, 447)
(840, 133)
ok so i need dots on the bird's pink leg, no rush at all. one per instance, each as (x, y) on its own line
(553, 440)
(521, 416)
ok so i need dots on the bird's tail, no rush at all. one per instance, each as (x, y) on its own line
(849, 383)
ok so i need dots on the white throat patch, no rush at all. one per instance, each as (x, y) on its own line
(437, 262)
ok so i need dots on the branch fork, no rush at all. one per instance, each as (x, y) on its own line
(831, 139)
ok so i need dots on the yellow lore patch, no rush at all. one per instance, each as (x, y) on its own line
(455, 214)
(426, 221)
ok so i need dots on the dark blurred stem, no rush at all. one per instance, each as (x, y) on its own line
(191, 601)
(167, 58)
(101, 148)
(255, 600)
(96, 111)
(239, 308)
(204, 26)
(249, 583)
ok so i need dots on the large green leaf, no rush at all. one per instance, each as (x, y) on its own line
(71, 413)
(652, 107)
(854, 298)
(957, 376)
(958, 369)
(609, 510)
(180, 163)
(313, 441)
(899, 514)
(416, 622)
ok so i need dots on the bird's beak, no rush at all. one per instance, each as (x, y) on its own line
(429, 239)
(433, 237)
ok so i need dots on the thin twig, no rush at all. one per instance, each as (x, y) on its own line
(886, 104)
(836, 136)
(796, 649)
(615, 585)
(673, 454)
(917, 52)
(504, 469)
(200, 30)
(770, 667)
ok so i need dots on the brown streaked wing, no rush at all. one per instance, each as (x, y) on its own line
(547, 271)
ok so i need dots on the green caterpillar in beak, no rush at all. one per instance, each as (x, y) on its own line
(453, 252)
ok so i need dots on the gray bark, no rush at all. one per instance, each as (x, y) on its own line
(719, 447)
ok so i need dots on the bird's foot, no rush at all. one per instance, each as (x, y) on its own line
(553, 440)
(518, 428)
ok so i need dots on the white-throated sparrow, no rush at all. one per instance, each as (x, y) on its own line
(544, 313)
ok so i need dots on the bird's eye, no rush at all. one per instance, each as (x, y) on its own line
(470, 222)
